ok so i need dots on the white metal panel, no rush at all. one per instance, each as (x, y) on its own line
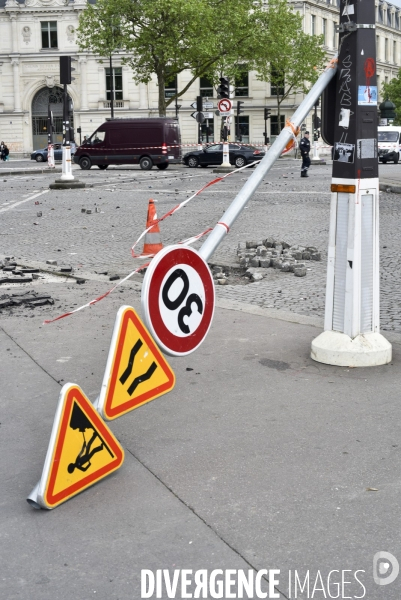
(340, 262)
(366, 323)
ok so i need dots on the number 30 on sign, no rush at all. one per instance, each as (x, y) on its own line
(178, 299)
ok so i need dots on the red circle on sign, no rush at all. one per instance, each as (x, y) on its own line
(168, 258)
(224, 105)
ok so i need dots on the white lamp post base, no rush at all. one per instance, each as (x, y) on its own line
(365, 350)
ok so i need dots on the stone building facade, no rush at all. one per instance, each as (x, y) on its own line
(34, 33)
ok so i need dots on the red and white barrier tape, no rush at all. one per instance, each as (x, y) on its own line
(168, 214)
(178, 207)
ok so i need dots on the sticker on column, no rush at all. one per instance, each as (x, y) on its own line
(345, 114)
(344, 152)
(348, 9)
(366, 148)
(367, 95)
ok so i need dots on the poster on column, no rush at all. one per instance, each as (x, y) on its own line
(344, 152)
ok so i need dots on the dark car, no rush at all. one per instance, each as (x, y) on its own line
(41, 155)
(240, 155)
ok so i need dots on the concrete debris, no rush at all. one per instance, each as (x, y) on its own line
(277, 254)
(114, 277)
(51, 262)
(29, 298)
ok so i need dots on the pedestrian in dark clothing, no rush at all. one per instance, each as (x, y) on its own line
(304, 147)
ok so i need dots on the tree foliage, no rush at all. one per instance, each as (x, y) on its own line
(293, 60)
(165, 37)
(392, 91)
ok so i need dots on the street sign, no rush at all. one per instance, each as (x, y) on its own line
(208, 115)
(193, 105)
(82, 450)
(208, 105)
(136, 371)
(198, 116)
(178, 299)
(224, 105)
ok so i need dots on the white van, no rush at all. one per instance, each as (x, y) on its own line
(388, 139)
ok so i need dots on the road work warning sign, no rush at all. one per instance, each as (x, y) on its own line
(82, 450)
(136, 370)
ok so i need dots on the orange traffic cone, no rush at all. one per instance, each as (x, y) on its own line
(153, 243)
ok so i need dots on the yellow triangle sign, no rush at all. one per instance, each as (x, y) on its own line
(136, 370)
(82, 450)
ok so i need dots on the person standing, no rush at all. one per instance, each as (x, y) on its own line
(304, 147)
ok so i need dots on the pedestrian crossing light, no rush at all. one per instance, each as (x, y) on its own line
(267, 113)
(239, 109)
(223, 91)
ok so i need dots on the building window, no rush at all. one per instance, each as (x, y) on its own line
(397, 20)
(380, 15)
(378, 47)
(277, 84)
(378, 86)
(313, 25)
(395, 53)
(208, 131)
(206, 87)
(274, 130)
(243, 128)
(117, 84)
(389, 19)
(49, 34)
(324, 31)
(386, 49)
(170, 87)
(242, 84)
(334, 35)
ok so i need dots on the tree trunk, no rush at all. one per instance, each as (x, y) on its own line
(278, 114)
(162, 93)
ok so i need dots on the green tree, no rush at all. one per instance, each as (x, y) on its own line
(392, 91)
(166, 37)
(293, 59)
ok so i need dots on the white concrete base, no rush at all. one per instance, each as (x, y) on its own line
(367, 350)
(66, 165)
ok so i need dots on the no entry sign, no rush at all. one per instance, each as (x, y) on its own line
(178, 299)
(224, 105)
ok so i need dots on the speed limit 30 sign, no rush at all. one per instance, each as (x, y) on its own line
(178, 299)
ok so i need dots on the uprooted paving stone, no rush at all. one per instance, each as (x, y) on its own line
(271, 253)
(29, 299)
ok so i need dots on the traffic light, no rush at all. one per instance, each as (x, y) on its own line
(239, 109)
(65, 70)
(223, 91)
(199, 104)
(316, 122)
(267, 113)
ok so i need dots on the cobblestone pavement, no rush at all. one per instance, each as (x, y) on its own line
(286, 207)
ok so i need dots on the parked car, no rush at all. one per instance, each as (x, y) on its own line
(147, 142)
(41, 155)
(240, 155)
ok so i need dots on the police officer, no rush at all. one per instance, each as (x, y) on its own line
(304, 147)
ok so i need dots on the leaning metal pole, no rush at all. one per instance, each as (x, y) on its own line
(285, 137)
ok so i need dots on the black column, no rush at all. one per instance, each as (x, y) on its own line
(355, 134)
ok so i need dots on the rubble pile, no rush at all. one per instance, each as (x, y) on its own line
(12, 274)
(28, 299)
(271, 253)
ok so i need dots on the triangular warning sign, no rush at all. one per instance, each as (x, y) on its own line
(82, 450)
(136, 370)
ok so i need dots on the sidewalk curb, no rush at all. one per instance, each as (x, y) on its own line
(389, 187)
(29, 171)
